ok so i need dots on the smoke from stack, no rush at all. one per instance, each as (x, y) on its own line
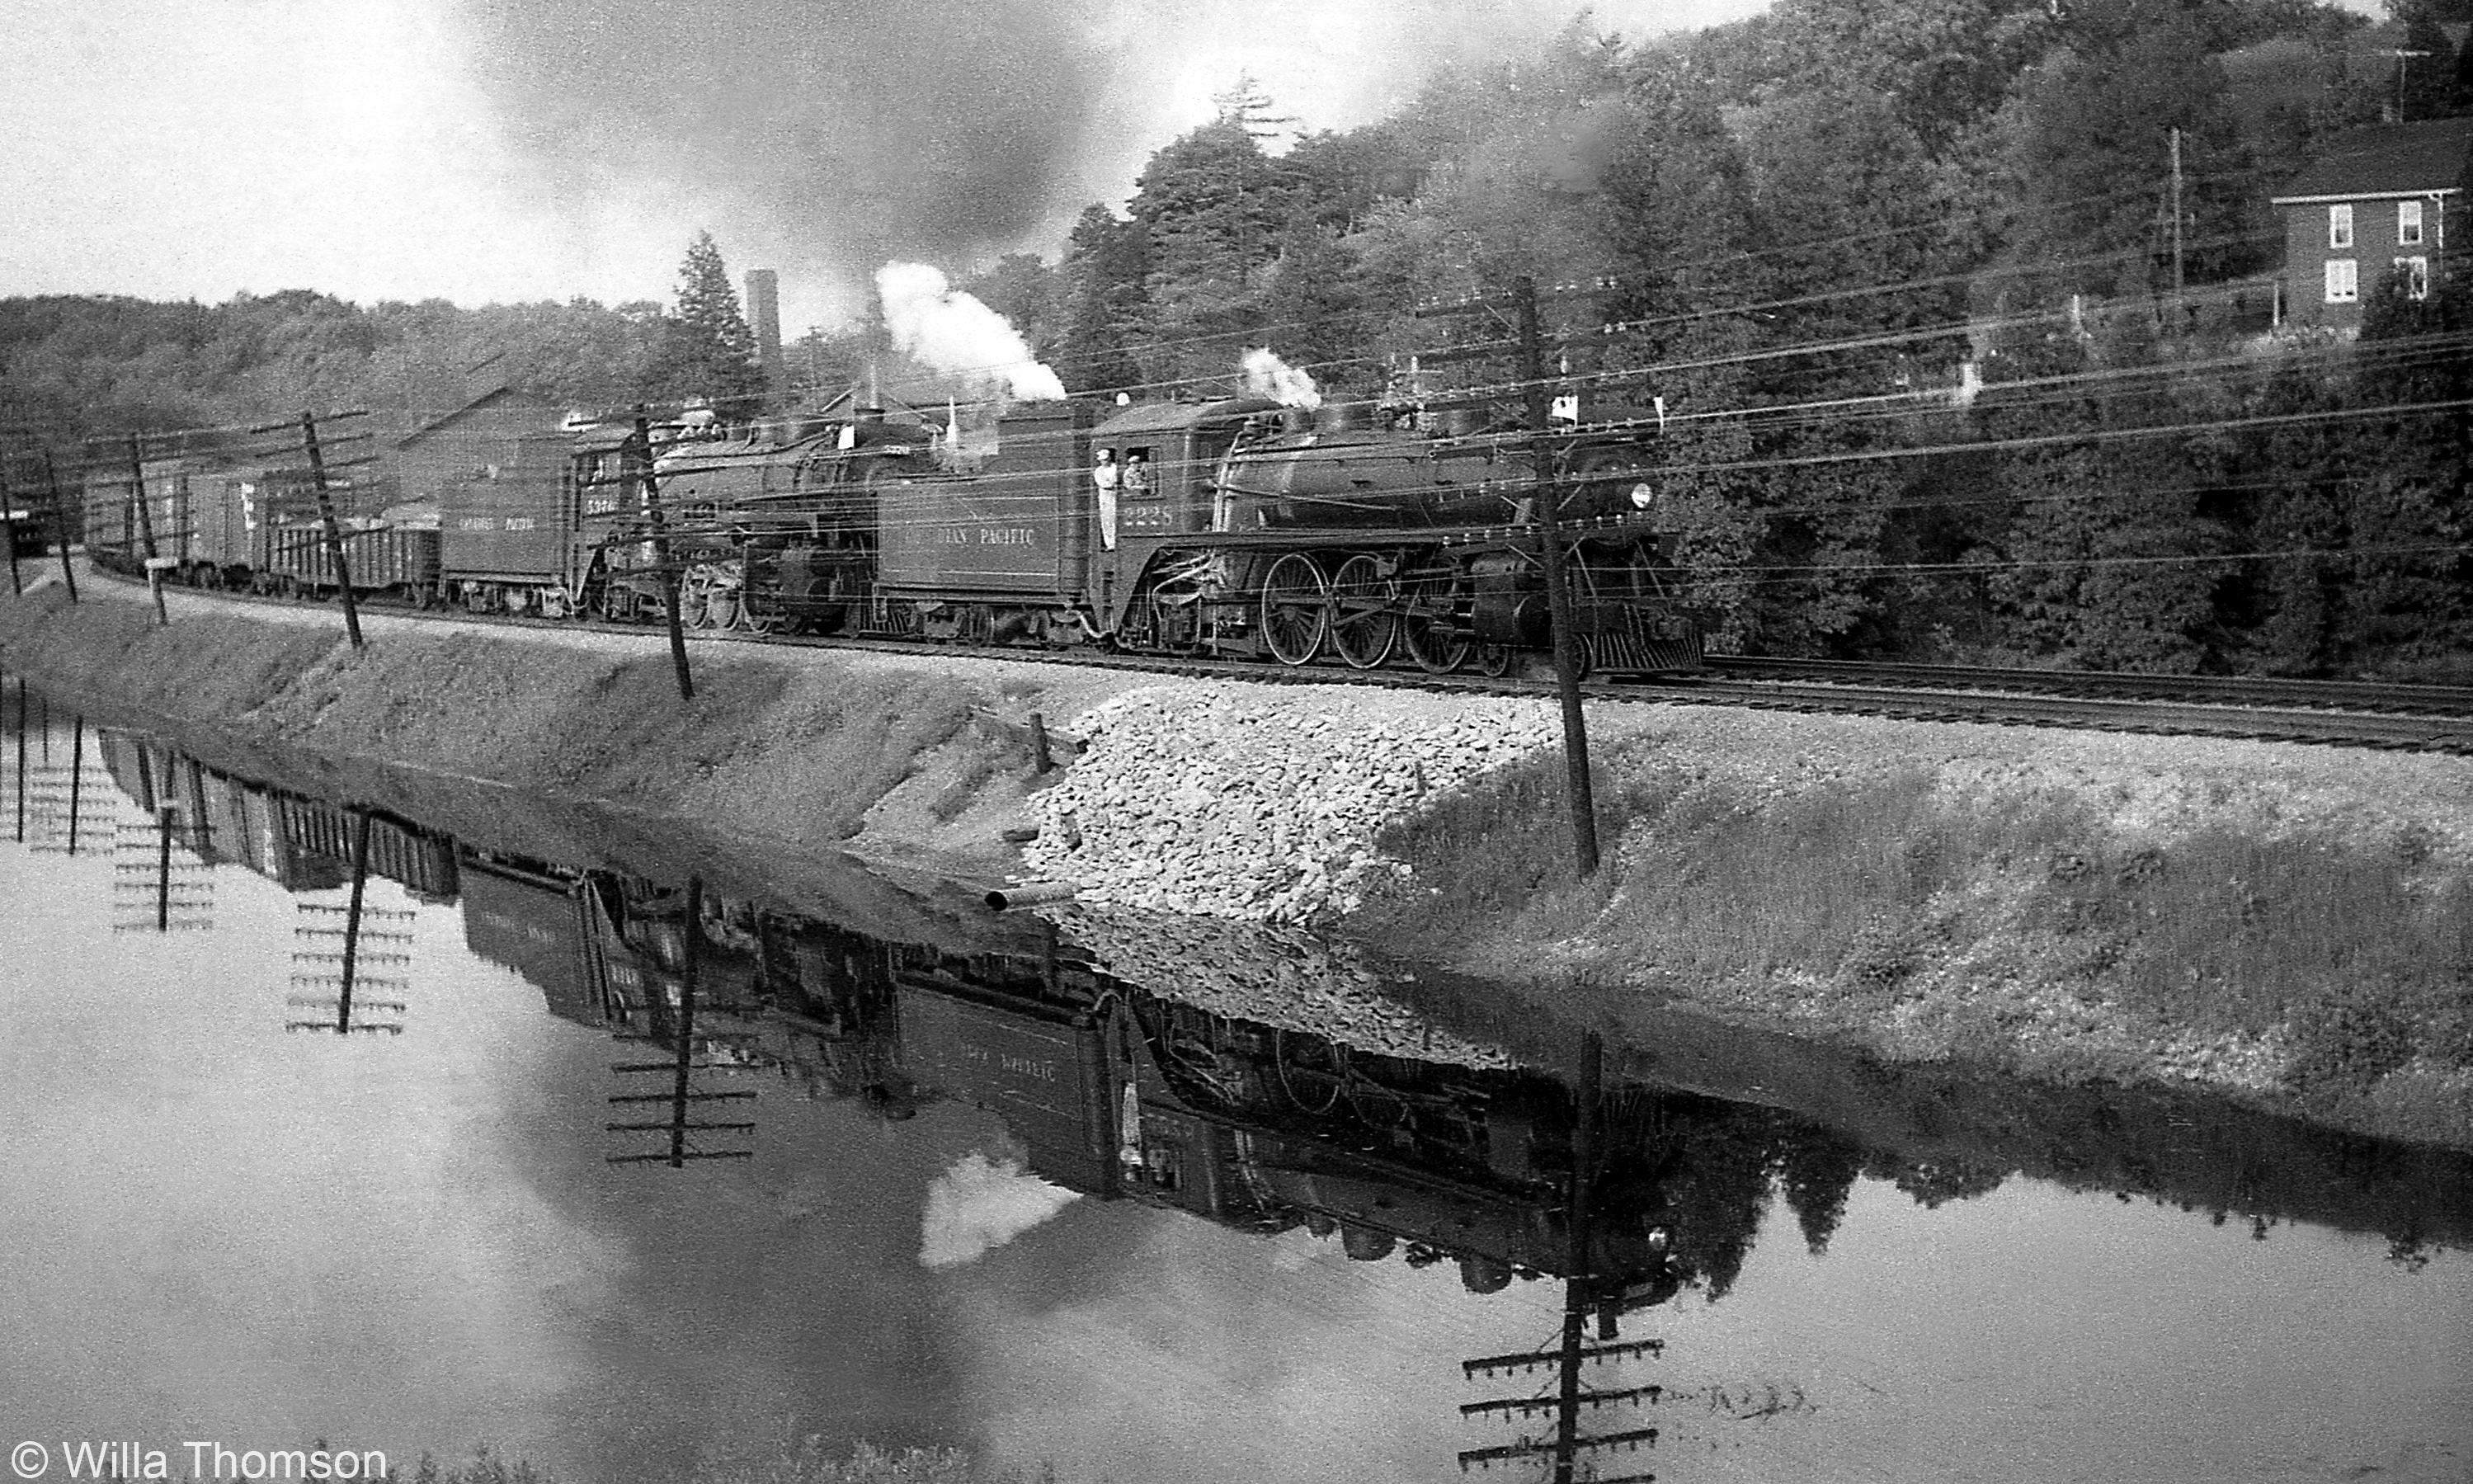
(952, 332)
(829, 136)
(1267, 375)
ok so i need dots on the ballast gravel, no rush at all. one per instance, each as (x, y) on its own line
(1258, 802)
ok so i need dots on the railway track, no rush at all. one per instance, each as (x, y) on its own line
(2338, 713)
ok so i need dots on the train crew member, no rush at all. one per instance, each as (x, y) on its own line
(1138, 482)
(1107, 476)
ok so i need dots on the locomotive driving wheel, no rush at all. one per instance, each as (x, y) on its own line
(1364, 625)
(1430, 609)
(1296, 609)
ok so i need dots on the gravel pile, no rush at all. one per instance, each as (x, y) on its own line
(1278, 976)
(1258, 803)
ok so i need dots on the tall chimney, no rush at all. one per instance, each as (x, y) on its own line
(764, 316)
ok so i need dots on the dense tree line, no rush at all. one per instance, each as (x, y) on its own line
(1813, 216)
(1811, 220)
(72, 367)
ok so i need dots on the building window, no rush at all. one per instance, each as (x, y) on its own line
(2408, 224)
(2343, 280)
(2414, 271)
(2339, 226)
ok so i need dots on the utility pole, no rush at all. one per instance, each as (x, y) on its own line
(59, 522)
(8, 518)
(2176, 230)
(334, 532)
(146, 527)
(2404, 59)
(1548, 515)
(671, 578)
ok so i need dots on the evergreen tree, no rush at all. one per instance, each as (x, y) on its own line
(708, 350)
(1103, 302)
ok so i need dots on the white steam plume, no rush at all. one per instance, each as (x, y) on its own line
(954, 333)
(1267, 375)
(979, 1205)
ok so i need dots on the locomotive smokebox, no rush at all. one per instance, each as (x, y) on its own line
(1344, 417)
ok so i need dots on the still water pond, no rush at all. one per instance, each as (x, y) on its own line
(987, 1196)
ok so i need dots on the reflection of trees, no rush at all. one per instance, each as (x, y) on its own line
(1816, 1169)
(1931, 1182)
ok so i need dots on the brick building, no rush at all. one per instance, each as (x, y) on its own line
(2378, 201)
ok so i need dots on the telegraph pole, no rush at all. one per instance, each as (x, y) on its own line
(670, 576)
(59, 522)
(8, 518)
(146, 527)
(2176, 228)
(334, 532)
(1558, 592)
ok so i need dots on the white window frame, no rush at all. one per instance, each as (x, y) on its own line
(2416, 277)
(2343, 282)
(2339, 226)
(2408, 224)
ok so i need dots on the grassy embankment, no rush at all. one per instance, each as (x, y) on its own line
(2040, 933)
(798, 751)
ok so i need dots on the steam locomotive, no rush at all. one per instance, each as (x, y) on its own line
(1241, 528)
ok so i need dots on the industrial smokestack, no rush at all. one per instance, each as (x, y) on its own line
(764, 316)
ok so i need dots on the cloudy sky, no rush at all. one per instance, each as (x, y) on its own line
(480, 150)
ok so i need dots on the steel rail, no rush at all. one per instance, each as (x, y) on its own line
(2336, 713)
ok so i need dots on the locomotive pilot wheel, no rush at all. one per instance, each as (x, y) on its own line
(1296, 609)
(1363, 622)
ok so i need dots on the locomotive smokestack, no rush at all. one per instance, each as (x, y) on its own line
(764, 316)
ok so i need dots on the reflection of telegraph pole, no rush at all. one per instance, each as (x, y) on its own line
(392, 935)
(157, 892)
(1566, 1444)
(682, 1068)
(56, 803)
(21, 759)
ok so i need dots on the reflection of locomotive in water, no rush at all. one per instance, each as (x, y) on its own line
(1241, 529)
(1119, 1093)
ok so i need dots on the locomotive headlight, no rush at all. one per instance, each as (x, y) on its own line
(1643, 496)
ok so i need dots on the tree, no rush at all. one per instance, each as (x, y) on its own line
(1103, 301)
(2089, 136)
(706, 348)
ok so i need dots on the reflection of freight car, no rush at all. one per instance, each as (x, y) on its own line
(422, 863)
(298, 843)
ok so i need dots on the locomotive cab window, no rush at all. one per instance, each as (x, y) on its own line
(1141, 474)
